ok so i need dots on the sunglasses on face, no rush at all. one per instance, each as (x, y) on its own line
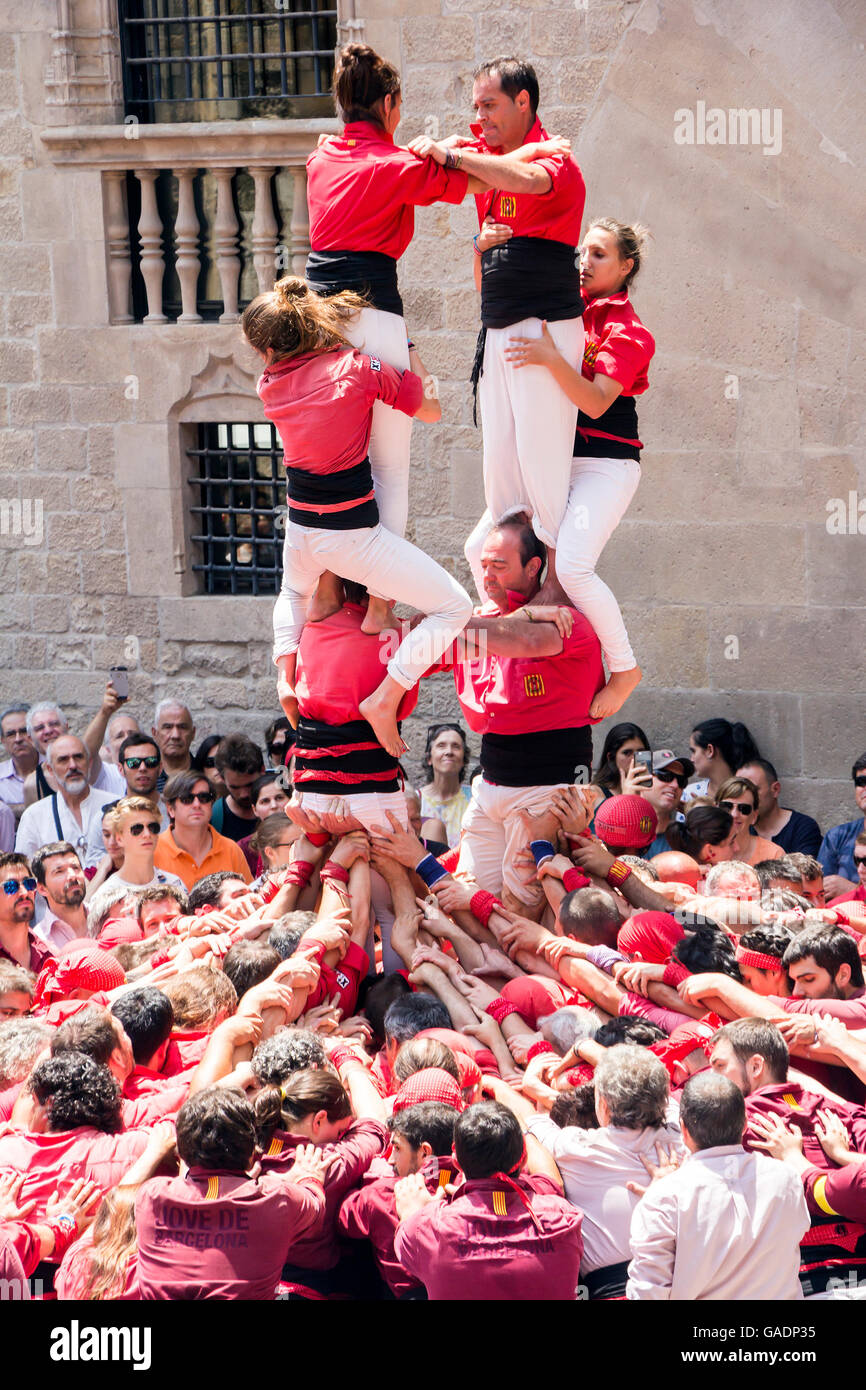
(859, 859)
(209, 762)
(678, 777)
(133, 763)
(13, 885)
(860, 781)
(204, 797)
(139, 828)
(745, 808)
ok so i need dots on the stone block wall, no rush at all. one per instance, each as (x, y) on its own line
(741, 596)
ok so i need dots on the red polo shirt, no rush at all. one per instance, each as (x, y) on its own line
(555, 215)
(322, 405)
(524, 695)
(362, 188)
(339, 666)
(617, 344)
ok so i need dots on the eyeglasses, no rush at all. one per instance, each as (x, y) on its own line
(678, 777)
(204, 797)
(13, 885)
(209, 762)
(860, 781)
(859, 859)
(133, 763)
(745, 808)
(138, 829)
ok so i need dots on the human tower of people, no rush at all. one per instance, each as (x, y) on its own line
(561, 1040)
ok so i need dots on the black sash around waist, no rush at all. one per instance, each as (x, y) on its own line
(370, 273)
(606, 1283)
(342, 501)
(612, 435)
(540, 759)
(526, 277)
(336, 758)
(832, 1255)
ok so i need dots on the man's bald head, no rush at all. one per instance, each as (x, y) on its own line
(712, 1111)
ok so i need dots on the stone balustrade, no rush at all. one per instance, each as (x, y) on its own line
(144, 242)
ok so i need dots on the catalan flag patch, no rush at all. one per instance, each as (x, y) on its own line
(790, 1100)
(507, 205)
(533, 685)
(213, 1189)
(445, 1177)
(274, 1148)
(499, 1203)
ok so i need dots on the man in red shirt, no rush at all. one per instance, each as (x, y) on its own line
(503, 1235)
(531, 276)
(529, 697)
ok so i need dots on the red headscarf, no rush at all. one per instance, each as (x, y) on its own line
(82, 964)
(650, 937)
(433, 1083)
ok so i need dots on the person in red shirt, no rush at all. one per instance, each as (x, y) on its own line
(529, 697)
(320, 394)
(503, 1235)
(217, 1232)
(362, 191)
(527, 274)
(606, 468)
(422, 1138)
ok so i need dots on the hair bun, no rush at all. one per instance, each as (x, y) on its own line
(291, 287)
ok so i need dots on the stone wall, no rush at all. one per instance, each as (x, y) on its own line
(739, 599)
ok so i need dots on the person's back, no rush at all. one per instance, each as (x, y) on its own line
(339, 666)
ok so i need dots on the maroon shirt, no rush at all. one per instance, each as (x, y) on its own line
(348, 1161)
(370, 1213)
(484, 1243)
(220, 1235)
(798, 1109)
(39, 953)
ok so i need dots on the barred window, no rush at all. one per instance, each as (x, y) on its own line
(202, 60)
(238, 513)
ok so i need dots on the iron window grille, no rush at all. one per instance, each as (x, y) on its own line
(238, 516)
(198, 60)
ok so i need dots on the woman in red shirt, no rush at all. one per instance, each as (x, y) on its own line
(606, 466)
(320, 393)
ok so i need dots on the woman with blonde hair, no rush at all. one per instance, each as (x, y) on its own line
(135, 824)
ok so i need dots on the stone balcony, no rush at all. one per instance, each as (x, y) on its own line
(199, 217)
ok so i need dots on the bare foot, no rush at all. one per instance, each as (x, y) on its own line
(380, 712)
(327, 600)
(378, 616)
(615, 693)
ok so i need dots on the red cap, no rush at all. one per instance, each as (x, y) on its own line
(626, 822)
(83, 964)
(649, 937)
(430, 1084)
(118, 930)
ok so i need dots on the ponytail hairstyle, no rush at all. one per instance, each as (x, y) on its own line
(704, 825)
(631, 242)
(292, 319)
(115, 1242)
(733, 742)
(362, 80)
(302, 1093)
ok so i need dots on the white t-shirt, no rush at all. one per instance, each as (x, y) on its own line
(38, 827)
(160, 880)
(695, 789)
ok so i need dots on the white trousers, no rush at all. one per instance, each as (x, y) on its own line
(384, 335)
(528, 423)
(600, 493)
(370, 808)
(391, 568)
(492, 833)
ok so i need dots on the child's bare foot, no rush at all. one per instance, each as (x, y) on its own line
(619, 686)
(378, 616)
(380, 712)
(327, 600)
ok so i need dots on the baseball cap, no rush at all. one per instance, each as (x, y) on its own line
(626, 821)
(663, 757)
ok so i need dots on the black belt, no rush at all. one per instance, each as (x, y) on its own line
(341, 501)
(608, 1282)
(536, 760)
(369, 273)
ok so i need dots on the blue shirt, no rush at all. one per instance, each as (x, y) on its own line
(837, 849)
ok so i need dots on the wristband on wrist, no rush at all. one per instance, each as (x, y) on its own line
(538, 1048)
(411, 345)
(482, 905)
(500, 1008)
(64, 1230)
(475, 244)
(430, 870)
(340, 1056)
(617, 873)
(541, 850)
(333, 872)
(318, 838)
(300, 873)
(573, 879)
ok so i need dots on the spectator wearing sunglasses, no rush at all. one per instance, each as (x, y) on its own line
(18, 942)
(663, 791)
(446, 796)
(139, 763)
(858, 894)
(279, 741)
(837, 848)
(205, 760)
(191, 849)
(136, 825)
(739, 797)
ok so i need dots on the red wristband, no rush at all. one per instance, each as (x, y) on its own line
(617, 873)
(580, 1075)
(500, 1008)
(269, 891)
(340, 1055)
(300, 872)
(334, 872)
(482, 905)
(573, 879)
(674, 974)
(64, 1232)
(318, 838)
(537, 1049)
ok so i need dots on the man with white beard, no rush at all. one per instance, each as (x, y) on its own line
(69, 813)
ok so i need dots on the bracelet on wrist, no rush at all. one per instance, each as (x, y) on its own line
(430, 870)
(538, 1048)
(541, 850)
(617, 873)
